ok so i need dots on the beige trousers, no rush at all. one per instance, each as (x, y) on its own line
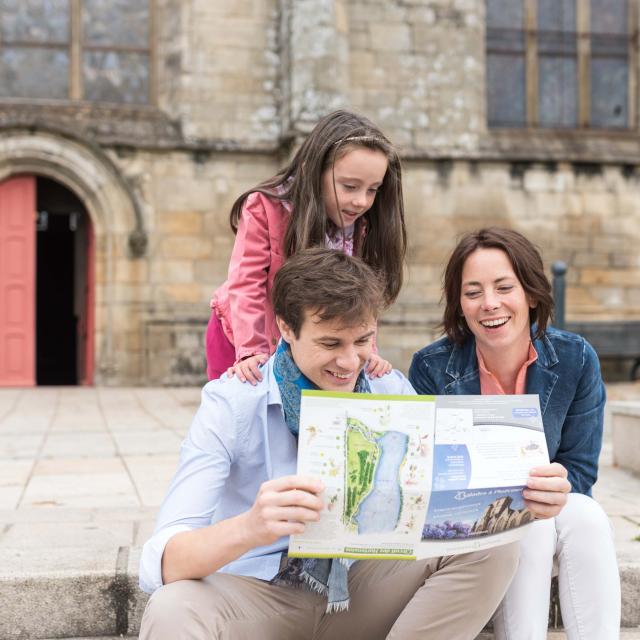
(449, 598)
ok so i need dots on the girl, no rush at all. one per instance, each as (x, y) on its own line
(497, 305)
(342, 190)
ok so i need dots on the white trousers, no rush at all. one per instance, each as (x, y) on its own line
(581, 540)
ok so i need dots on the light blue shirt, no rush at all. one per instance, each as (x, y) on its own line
(238, 439)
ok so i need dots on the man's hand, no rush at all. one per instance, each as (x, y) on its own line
(247, 369)
(377, 366)
(546, 492)
(282, 507)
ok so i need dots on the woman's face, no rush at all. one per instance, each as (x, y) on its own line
(358, 175)
(493, 301)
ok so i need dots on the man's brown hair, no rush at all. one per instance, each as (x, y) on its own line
(527, 265)
(329, 284)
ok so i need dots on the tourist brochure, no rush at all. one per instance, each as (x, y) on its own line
(409, 477)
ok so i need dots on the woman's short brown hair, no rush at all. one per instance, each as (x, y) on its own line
(527, 265)
(327, 283)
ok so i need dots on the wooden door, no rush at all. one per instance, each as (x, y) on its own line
(17, 281)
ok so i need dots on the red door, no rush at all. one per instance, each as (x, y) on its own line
(17, 281)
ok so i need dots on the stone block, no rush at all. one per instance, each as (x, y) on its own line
(590, 259)
(626, 260)
(183, 194)
(579, 297)
(180, 222)
(48, 606)
(172, 271)
(210, 272)
(193, 247)
(613, 277)
(131, 271)
(610, 299)
(548, 205)
(630, 586)
(536, 180)
(183, 293)
(625, 422)
(621, 225)
(390, 36)
(599, 204)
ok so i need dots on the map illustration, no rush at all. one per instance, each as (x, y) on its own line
(373, 462)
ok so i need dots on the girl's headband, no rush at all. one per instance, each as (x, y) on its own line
(359, 139)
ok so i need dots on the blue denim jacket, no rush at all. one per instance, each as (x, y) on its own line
(567, 378)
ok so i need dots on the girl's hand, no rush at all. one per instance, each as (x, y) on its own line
(546, 492)
(247, 369)
(377, 366)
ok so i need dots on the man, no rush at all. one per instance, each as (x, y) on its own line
(222, 532)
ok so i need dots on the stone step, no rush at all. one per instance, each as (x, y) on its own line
(101, 604)
(625, 634)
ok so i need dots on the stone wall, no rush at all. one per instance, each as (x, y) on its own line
(218, 69)
(239, 84)
(417, 68)
(190, 242)
(587, 216)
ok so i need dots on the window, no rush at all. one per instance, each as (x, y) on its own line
(94, 50)
(561, 63)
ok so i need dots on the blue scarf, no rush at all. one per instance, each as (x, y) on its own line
(327, 576)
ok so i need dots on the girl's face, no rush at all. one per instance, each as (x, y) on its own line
(358, 175)
(493, 301)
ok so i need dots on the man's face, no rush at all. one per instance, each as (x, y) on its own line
(328, 352)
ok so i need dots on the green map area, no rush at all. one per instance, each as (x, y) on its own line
(362, 454)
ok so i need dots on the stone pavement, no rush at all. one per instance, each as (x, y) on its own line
(82, 472)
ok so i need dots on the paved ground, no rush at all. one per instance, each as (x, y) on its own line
(82, 471)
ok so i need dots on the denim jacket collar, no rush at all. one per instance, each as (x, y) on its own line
(464, 378)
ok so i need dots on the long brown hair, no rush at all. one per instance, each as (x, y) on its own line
(300, 182)
(527, 265)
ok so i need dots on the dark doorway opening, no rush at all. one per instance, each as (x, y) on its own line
(61, 284)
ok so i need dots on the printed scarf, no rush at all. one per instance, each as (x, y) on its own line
(327, 576)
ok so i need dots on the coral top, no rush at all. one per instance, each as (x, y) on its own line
(490, 385)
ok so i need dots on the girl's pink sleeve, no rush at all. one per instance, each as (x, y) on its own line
(247, 281)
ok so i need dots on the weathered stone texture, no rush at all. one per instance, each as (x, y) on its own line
(423, 80)
(238, 85)
(219, 69)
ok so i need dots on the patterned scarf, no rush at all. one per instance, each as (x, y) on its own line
(340, 239)
(327, 576)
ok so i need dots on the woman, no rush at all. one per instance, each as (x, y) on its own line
(497, 308)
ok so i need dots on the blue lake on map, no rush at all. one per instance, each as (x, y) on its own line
(380, 510)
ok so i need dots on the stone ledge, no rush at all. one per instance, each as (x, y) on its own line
(625, 425)
(108, 603)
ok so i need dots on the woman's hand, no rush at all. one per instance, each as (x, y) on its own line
(546, 492)
(248, 369)
(377, 366)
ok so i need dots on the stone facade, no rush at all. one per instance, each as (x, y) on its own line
(237, 86)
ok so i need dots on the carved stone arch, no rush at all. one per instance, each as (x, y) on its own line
(114, 211)
(80, 166)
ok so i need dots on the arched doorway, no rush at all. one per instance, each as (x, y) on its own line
(64, 287)
(117, 219)
(46, 284)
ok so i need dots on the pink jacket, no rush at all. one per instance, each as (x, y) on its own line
(243, 302)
